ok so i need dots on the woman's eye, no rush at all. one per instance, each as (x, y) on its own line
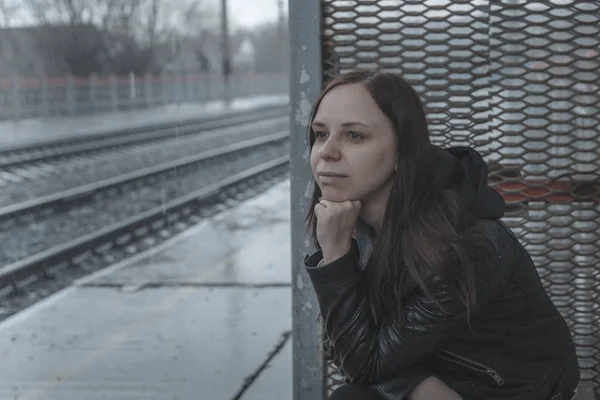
(355, 135)
(320, 135)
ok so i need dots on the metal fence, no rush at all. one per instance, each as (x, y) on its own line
(519, 81)
(46, 96)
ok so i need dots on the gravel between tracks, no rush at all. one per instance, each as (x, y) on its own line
(83, 170)
(27, 238)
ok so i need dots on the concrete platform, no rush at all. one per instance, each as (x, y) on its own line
(275, 381)
(206, 315)
(34, 130)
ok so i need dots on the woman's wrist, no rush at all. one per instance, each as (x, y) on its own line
(330, 255)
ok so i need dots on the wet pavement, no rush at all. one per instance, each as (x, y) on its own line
(33, 130)
(206, 315)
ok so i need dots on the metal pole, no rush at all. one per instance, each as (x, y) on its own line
(16, 97)
(225, 47)
(280, 38)
(305, 84)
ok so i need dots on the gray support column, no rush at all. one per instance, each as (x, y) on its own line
(305, 84)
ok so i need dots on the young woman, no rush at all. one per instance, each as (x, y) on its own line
(424, 292)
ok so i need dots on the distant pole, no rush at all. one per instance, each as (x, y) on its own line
(225, 47)
(280, 37)
(280, 12)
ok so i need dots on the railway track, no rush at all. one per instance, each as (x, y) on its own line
(38, 159)
(74, 172)
(116, 211)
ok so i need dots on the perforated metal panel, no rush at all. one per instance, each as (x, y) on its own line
(518, 80)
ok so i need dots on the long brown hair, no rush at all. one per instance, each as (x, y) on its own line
(423, 228)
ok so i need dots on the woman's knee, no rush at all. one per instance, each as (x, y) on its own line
(433, 388)
(430, 388)
(355, 392)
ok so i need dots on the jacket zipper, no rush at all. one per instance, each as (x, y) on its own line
(452, 357)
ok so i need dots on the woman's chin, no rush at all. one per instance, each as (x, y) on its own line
(334, 195)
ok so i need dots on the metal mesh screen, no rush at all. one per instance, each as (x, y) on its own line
(518, 80)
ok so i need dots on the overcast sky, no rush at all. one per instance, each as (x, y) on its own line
(249, 13)
(242, 13)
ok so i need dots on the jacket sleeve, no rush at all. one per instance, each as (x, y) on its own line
(374, 355)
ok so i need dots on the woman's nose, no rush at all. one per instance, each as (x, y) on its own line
(330, 149)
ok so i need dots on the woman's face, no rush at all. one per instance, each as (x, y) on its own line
(354, 153)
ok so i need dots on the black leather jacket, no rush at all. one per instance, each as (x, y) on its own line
(515, 344)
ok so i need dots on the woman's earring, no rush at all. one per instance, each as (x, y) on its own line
(396, 168)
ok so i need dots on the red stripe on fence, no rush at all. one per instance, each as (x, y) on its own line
(551, 192)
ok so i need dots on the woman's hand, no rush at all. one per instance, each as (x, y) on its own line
(335, 225)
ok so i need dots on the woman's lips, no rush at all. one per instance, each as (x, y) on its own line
(330, 177)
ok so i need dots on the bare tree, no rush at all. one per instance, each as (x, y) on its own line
(63, 12)
(145, 32)
(271, 44)
(66, 36)
(17, 51)
(115, 35)
(198, 17)
(192, 31)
